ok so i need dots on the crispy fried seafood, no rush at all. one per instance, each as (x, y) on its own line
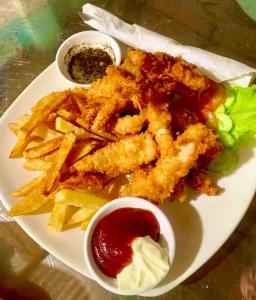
(136, 97)
(141, 78)
(120, 157)
(159, 183)
(144, 119)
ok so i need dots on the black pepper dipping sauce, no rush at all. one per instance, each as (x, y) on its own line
(89, 64)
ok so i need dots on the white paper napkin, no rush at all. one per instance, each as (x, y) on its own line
(216, 67)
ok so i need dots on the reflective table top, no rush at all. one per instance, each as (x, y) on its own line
(30, 34)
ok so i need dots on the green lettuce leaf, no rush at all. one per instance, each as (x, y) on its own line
(236, 120)
(243, 112)
(237, 115)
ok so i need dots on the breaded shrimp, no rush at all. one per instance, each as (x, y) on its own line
(120, 157)
(141, 78)
(158, 184)
(202, 182)
(129, 124)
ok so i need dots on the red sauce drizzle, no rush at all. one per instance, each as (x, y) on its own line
(112, 237)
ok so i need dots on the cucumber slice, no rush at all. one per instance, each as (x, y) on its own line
(225, 162)
(226, 138)
(235, 134)
(230, 100)
(220, 109)
(225, 122)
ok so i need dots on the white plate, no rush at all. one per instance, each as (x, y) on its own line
(201, 226)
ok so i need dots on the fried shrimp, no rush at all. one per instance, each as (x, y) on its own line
(120, 157)
(141, 78)
(129, 124)
(159, 119)
(159, 183)
(143, 81)
(202, 182)
(162, 70)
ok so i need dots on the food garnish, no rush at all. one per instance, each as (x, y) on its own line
(236, 120)
(238, 116)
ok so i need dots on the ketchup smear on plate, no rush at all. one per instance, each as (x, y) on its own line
(113, 235)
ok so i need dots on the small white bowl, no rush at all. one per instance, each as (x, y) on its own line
(166, 232)
(90, 38)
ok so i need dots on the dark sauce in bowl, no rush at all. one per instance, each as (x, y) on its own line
(87, 64)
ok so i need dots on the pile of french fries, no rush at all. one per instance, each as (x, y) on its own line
(51, 139)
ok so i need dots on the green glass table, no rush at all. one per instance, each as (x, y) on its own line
(30, 34)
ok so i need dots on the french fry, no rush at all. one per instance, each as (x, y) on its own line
(23, 119)
(29, 187)
(81, 215)
(50, 156)
(51, 140)
(52, 174)
(104, 135)
(20, 146)
(34, 143)
(68, 104)
(35, 164)
(49, 105)
(83, 123)
(82, 148)
(85, 222)
(95, 135)
(43, 102)
(19, 122)
(43, 148)
(32, 201)
(52, 134)
(68, 115)
(40, 130)
(80, 103)
(79, 199)
(14, 128)
(65, 127)
(43, 131)
(40, 113)
(58, 217)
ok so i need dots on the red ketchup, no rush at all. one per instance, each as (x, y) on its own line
(113, 235)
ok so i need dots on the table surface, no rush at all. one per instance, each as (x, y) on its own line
(30, 33)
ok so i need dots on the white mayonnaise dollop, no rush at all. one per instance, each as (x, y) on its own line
(150, 264)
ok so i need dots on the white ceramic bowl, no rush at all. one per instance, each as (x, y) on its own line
(90, 38)
(166, 232)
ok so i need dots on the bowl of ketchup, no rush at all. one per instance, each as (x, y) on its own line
(108, 238)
